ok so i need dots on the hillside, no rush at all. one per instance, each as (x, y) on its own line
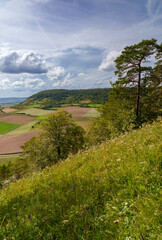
(53, 98)
(109, 192)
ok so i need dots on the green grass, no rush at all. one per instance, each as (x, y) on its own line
(6, 159)
(92, 113)
(40, 118)
(6, 127)
(35, 112)
(24, 128)
(108, 192)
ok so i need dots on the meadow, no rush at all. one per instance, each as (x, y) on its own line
(6, 127)
(111, 191)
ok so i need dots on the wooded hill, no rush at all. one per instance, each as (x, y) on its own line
(53, 98)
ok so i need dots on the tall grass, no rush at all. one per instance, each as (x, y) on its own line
(109, 192)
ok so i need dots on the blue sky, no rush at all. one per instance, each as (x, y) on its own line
(70, 44)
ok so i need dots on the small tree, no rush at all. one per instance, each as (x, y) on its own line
(63, 133)
(60, 137)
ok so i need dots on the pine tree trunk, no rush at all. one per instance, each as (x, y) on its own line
(138, 94)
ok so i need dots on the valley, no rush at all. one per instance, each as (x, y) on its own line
(19, 126)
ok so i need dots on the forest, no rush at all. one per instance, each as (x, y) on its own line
(53, 98)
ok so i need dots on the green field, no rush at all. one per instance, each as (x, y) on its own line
(6, 127)
(24, 128)
(35, 112)
(91, 113)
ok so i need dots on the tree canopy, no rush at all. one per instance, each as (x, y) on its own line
(60, 137)
(134, 75)
(136, 95)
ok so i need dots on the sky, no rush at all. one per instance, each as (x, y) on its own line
(69, 44)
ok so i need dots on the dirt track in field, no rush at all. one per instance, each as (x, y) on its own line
(17, 119)
(11, 144)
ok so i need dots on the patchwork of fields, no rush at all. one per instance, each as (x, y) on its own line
(17, 127)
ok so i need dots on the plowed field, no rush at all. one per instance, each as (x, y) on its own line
(11, 144)
(17, 119)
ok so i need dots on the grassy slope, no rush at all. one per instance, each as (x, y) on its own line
(109, 192)
(6, 159)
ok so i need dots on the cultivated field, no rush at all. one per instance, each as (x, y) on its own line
(35, 112)
(22, 125)
(9, 110)
(92, 113)
(13, 143)
(6, 127)
(17, 119)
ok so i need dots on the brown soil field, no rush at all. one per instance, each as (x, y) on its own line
(11, 144)
(76, 111)
(17, 119)
(9, 110)
(78, 118)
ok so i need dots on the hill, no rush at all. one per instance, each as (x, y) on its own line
(53, 98)
(108, 192)
(11, 100)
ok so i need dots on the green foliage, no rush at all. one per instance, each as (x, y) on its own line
(55, 98)
(109, 192)
(135, 81)
(6, 127)
(113, 120)
(60, 137)
(136, 95)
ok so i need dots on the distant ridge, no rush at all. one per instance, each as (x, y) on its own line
(52, 98)
(11, 100)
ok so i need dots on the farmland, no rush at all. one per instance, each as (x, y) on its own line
(6, 127)
(20, 126)
(35, 112)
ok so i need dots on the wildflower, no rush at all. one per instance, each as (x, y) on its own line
(116, 221)
(74, 187)
(81, 190)
(65, 221)
(29, 216)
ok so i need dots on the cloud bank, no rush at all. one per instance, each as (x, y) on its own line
(15, 63)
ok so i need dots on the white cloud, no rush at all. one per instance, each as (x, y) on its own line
(80, 74)
(28, 83)
(66, 82)
(17, 62)
(5, 83)
(56, 73)
(108, 63)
